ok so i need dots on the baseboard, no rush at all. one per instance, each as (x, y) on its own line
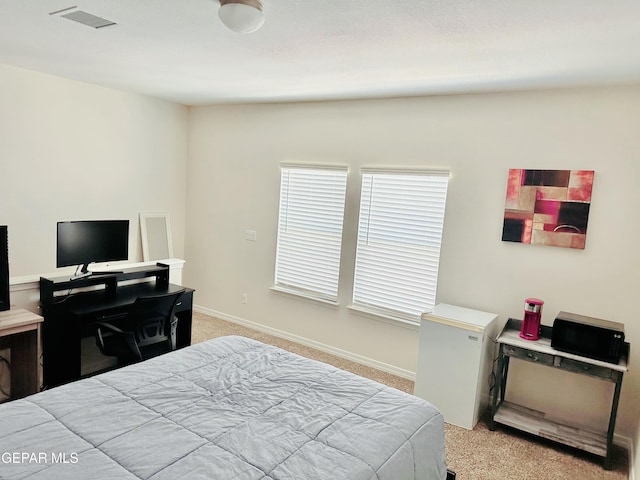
(354, 357)
(627, 443)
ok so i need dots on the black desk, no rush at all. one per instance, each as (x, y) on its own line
(70, 317)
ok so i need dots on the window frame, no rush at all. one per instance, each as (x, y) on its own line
(286, 282)
(382, 309)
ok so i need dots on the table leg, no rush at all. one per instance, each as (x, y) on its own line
(505, 373)
(612, 419)
(498, 388)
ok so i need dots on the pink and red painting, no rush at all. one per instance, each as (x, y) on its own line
(548, 207)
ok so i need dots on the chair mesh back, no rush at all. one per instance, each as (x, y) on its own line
(152, 316)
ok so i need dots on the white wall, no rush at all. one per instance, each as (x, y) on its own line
(234, 157)
(74, 151)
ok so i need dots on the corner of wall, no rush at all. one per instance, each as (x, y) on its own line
(633, 455)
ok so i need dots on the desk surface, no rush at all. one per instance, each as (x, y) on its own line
(18, 317)
(87, 303)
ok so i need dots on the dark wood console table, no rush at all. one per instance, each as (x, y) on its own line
(535, 422)
(71, 308)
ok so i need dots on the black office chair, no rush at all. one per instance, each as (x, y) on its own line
(147, 330)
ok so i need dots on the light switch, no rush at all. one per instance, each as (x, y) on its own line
(250, 235)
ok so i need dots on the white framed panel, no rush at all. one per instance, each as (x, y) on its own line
(155, 230)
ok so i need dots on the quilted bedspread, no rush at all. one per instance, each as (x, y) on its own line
(230, 408)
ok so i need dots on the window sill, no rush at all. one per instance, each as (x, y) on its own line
(385, 317)
(304, 296)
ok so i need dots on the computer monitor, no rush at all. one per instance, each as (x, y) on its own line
(87, 241)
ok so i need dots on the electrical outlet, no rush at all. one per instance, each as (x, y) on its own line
(245, 298)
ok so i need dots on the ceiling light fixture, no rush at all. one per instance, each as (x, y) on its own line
(241, 16)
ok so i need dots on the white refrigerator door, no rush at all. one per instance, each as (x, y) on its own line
(448, 370)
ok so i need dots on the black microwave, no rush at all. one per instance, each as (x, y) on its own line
(588, 337)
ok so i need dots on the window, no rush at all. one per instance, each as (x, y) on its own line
(399, 236)
(310, 230)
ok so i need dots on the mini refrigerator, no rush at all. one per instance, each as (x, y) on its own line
(455, 362)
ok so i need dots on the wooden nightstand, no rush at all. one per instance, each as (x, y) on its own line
(20, 332)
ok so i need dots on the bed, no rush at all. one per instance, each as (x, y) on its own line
(228, 408)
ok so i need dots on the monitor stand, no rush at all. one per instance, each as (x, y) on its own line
(82, 275)
(84, 272)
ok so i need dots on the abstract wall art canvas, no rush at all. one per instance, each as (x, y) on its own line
(548, 207)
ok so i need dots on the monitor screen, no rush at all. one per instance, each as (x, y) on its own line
(88, 241)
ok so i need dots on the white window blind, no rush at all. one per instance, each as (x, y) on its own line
(399, 237)
(310, 230)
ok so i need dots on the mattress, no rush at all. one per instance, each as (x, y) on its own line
(228, 408)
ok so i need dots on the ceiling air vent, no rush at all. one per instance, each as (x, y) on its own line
(84, 18)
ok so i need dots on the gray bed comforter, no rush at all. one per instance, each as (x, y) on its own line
(229, 408)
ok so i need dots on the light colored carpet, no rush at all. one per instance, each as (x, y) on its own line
(477, 454)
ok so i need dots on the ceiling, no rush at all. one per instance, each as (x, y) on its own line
(328, 49)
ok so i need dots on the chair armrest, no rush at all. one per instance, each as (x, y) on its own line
(128, 342)
(109, 326)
